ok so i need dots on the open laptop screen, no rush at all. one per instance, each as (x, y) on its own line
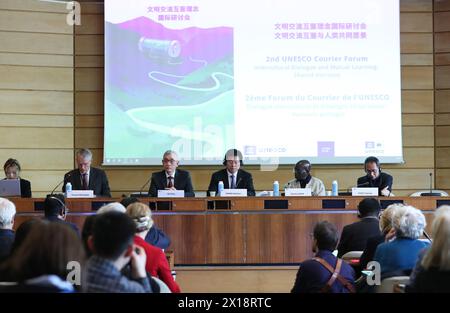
(10, 187)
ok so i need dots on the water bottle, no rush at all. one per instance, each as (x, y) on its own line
(68, 187)
(220, 188)
(334, 188)
(276, 189)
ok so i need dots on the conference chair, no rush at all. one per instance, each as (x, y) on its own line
(352, 257)
(163, 288)
(387, 284)
(420, 192)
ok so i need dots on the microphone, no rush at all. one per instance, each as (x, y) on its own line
(427, 236)
(239, 180)
(431, 193)
(142, 188)
(67, 176)
(349, 192)
(363, 184)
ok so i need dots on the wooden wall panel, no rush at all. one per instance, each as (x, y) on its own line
(36, 78)
(17, 42)
(36, 102)
(442, 94)
(416, 22)
(415, 6)
(36, 90)
(416, 43)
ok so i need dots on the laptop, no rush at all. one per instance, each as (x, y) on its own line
(10, 187)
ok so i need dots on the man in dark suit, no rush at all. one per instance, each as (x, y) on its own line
(354, 236)
(375, 178)
(171, 178)
(86, 177)
(232, 176)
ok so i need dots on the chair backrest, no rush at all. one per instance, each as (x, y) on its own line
(163, 288)
(387, 284)
(419, 193)
(352, 257)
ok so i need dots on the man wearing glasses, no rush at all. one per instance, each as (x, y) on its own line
(232, 175)
(375, 178)
(171, 178)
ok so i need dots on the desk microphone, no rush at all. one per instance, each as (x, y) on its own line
(239, 180)
(65, 177)
(142, 188)
(357, 186)
(431, 193)
(427, 236)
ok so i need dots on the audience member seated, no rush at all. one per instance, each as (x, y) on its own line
(112, 207)
(12, 171)
(55, 210)
(22, 233)
(375, 178)
(171, 178)
(432, 272)
(325, 272)
(398, 257)
(387, 233)
(354, 236)
(39, 264)
(86, 232)
(155, 236)
(112, 243)
(86, 177)
(303, 179)
(157, 264)
(7, 213)
(232, 176)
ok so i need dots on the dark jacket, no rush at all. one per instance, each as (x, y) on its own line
(313, 276)
(354, 236)
(6, 241)
(383, 181)
(430, 280)
(157, 238)
(55, 219)
(244, 180)
(98, 182)
(369, 251)
(182, 181)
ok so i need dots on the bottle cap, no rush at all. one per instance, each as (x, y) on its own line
(275, 182)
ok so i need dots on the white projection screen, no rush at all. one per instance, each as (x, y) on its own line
(280, 80)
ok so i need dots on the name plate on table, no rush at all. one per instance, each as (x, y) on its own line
(234, 193)
(80, 194)
(170, 193)
(362, 192)
(297, 192)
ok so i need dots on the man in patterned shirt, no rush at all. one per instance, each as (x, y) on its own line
(303, 179)
(112, 243)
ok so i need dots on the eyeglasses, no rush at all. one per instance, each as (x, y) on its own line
(171, 161)
(233, 161)
(371, 171)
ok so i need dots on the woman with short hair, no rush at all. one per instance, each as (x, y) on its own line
(156, 264)
(399, 256)
(12, 171)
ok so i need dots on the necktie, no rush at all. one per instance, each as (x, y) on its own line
(233, 182)
(84, 181)
(170, 182)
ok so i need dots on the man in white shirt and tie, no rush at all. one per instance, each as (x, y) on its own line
(171, 178)
(232, 175)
